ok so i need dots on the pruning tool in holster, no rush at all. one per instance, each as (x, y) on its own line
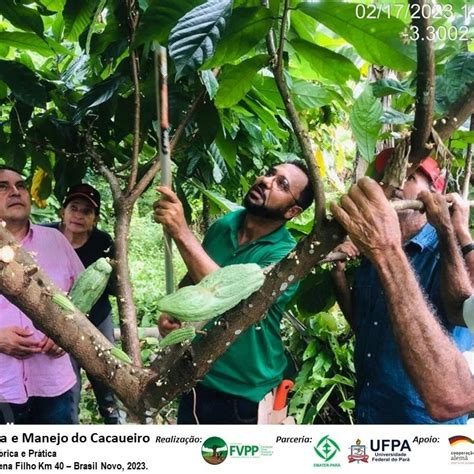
(273, 409)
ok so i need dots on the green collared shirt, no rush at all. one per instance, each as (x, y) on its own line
(255, 362)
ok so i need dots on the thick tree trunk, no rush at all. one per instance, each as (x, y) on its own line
(425, 87)
(127, 310)
(28, 288)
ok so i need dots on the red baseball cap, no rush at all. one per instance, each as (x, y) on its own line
(429, 167)
(85, 191)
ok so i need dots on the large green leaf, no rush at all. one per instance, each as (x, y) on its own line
(22, 17)
(160, 17)
(459, 75)
(227, 148)
(324, 63)
(58, 48)
(193, 40)
(266, 86)
(28, 41)
(267, 118)
(210, 83)
(385, 87)
(376, 40)
(24, 84)
(100, 42)
(223, 203)
(99, 94)
(365, 123)
(53, 5)
(324, 399)
(236, 81)
(246, 28)
(77, 17)
(461, 139)
(310, 96)
(395, 117)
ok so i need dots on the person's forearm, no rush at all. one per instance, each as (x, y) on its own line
(456, 285)
(469, 261)
(464, 238)
(437, 368)
(197, 261)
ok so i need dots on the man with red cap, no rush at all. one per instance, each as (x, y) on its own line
(437, 368)
(385, 392)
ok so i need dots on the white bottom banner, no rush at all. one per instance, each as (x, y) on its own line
(328, 448)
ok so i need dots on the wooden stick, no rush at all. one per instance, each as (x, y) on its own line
(161, 84)
(414, 204)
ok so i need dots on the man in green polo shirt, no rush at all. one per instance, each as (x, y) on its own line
(254, 364)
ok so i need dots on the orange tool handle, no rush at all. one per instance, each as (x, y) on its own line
(281, 394)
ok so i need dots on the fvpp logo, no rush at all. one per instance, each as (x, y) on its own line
(244, 450)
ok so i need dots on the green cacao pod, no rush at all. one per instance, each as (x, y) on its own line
(120, 355)
(214, 294)
(184, 334)
(90, 285)
(64, 302)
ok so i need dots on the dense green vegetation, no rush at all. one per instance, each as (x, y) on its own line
(77, 101)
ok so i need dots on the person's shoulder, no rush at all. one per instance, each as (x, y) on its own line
(47, 230)
(231, 216)
(287, 238)
(227, 220)
(51, 225)
(100, 239)
(54, 236)
(101, 234)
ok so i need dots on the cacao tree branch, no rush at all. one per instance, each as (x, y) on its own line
(133, 22)
(425, 85)
(123, 207)
(459, 112)
(187, 119)
(31, 290)
(184, 372)
(128, 313)
(281, 43)
(104, 170)
(298, 128)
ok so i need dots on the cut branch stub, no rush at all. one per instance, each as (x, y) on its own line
(31, 290)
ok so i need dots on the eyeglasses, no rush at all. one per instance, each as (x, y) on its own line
(6, 187)
(282, 183)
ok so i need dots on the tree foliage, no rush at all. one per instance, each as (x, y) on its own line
(77, 91)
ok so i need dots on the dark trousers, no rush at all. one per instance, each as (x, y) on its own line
(106, 402)
(216, 408)
(58, 410)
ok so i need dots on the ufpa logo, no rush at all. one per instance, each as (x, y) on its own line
(358, 453)
(326, 448)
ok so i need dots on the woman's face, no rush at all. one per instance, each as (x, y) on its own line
(79, 216)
